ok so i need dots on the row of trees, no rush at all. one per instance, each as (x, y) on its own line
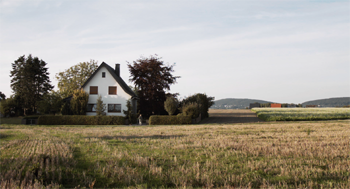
(33, 91)
(151, 77)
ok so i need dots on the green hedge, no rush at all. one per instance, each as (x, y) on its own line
(81, 120)
(169, 120)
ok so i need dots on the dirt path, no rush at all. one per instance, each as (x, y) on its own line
(231, 116)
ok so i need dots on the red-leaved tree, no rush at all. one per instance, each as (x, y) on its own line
(152, 79)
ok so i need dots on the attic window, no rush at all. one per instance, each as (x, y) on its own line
(112, 90)
(93, 90)
(103, 74)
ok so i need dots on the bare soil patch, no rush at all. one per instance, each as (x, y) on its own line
(231, 116)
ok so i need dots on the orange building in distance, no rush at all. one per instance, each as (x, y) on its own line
(276, 105)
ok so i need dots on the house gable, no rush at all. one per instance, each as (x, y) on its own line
(105, 81)
(117, 78)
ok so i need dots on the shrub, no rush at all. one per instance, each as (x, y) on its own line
(203, 100)
(100, 107)
(5, 109)
(80, 120)
(79, 102)
(169, 120)
(170, 105)
(66, 110)
(50, 103)
(191, 109)
(129, 115)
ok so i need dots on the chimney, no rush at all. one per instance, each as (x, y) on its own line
(117, 69)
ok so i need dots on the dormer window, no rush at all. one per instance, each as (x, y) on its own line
(103, 74)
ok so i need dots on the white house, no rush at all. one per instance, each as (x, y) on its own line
(106, 81)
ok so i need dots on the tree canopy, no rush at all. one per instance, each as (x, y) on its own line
(151, 78)
(74, 77)
(50, 103)
(30, 81)
(79, 102)
(2, 96)
(202, 100)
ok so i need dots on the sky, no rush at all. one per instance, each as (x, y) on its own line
(281, 51)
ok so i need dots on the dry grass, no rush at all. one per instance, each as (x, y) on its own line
(278, 155)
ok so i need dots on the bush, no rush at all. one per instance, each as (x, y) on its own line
(80, 120)
(170, 105)
(50, 103)
(79, 102)
(129, 115)
(169, 120)
(203, 100)
(191, 109)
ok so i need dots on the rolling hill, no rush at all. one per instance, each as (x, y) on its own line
(242, 103)
(235, 103)
(330, 102)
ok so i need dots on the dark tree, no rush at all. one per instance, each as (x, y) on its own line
(2, 96)
(151, 78)
(30, 81)
(204, 102)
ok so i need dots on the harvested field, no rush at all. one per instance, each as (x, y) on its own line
(223, 116)
(275, 155)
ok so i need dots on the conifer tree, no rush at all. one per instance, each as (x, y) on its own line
(30, 81)
(2, 96)
(100, 107)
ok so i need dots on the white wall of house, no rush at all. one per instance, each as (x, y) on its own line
(103, 85)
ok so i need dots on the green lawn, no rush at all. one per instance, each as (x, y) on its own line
(277, 155)
(301, 114)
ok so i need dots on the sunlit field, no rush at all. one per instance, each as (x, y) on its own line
(276, 155)
(300, 114)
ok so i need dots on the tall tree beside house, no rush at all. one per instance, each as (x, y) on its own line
(151, 78)
(79, 101)
(74, 77)
(100, 107)
(2, 96)
(30, 81)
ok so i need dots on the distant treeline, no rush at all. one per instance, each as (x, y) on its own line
(285, 105)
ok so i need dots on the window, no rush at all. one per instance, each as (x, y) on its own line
(103, 74)
(93, 90)
(114, 108)
(91, 108)
(112, 90)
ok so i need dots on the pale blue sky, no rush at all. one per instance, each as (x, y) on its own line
(282, 51)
